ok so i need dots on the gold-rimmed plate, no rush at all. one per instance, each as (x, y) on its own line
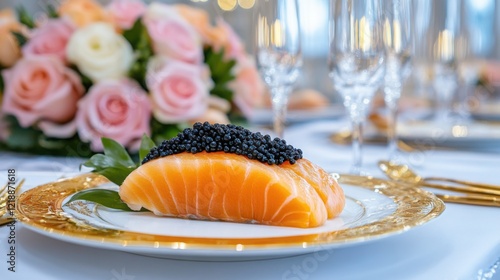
(374, 209)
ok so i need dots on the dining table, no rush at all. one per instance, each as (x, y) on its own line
(463, 242)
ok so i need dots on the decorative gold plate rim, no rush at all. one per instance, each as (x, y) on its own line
(41, 209)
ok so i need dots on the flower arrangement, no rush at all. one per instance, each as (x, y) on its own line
(120, 71)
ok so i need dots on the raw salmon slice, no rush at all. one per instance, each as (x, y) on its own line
(229, 187)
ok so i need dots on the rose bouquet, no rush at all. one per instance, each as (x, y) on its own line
(86, 71)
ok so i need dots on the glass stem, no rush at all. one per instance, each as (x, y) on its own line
(357, 142)
(391, 100)
(445, 86)
(279, 97)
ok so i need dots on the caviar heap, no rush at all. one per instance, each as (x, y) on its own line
(230, 139)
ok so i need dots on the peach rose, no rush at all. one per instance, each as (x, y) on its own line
(50, 39)
(117, 109)
(248, 87)
(200, 20)
(179, 91)
(232, 44)
(41, 88)
(125, 12)
(9, 48)
(175, 38)
(216, 112)
(82, 12)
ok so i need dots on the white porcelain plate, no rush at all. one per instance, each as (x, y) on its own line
(374, 209)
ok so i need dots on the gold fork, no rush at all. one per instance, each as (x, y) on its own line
(5, 212)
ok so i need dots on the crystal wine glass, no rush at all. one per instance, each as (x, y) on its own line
(398, 43)
(278, 52)
(446, 43)
(356, 61)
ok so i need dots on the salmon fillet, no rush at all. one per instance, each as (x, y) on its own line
(228, 187)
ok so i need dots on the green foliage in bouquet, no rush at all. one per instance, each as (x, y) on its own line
(138, 38)
(25, 18)
(221, 73)
(32, 140)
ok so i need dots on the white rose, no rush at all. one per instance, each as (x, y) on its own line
(99, 52)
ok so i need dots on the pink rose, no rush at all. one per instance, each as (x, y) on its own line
(117, 109)
(248, 87)
(179, 91)
(50, 39)
(126, 12)
(175, 38)
(41, 88)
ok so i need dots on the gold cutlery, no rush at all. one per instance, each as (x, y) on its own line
(5, 213)
(469, 199)
(475, 193)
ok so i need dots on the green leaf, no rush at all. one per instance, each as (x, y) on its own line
(116, 174)
(133, 34)
(221, 73)
(161, 131)
(117, 152)
(51, 11)
(146, 145)
(138, 37)
(222, 92)
(20, 38)
(21, 137)
(108, 198)
(100, 162)
(25, 18)
(109, 168)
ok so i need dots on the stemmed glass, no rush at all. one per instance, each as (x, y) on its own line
(447, 46)
(398, 43)
(356, 61)
(279, 56)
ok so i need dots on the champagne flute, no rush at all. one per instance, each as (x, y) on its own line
(447, 45)
(356, 61)
(279, 56)
(398, 43)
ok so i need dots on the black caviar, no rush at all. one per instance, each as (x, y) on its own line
(230, 139)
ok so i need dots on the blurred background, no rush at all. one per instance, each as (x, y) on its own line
(481, 19)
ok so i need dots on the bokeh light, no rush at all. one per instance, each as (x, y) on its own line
(227, 5)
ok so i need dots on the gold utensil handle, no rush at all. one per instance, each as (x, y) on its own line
(469, 200)
(462, 189)
(465, 183)
(5, 221)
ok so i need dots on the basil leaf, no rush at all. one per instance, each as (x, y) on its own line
(116, 151)
(108, 198)
(100, 161)
(146, 145)
(115, 174)
(109, 168)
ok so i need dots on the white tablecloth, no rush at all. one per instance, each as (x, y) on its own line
(456, 245)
